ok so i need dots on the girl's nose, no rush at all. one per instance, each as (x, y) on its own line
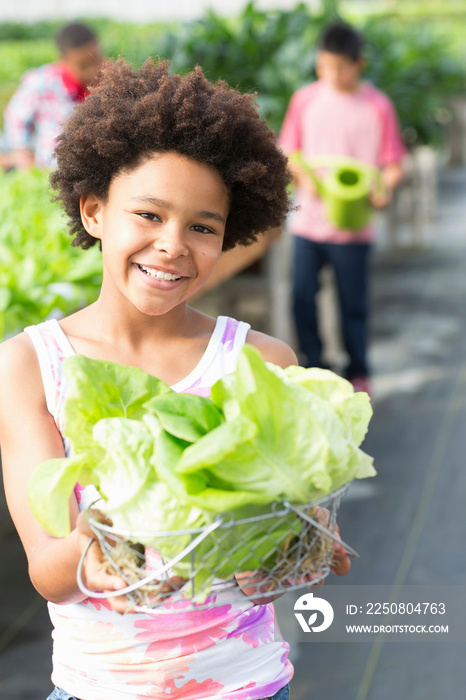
(172, 240)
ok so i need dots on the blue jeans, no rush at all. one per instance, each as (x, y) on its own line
(58, 694)
(350, 263)
(283, 693)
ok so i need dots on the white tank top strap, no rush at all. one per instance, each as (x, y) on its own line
(220, 357)
(51, 346)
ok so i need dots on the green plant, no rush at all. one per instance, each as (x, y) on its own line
(40, 272)
(16, 57)
(416, 61)
(273, 52)
(22, 31)
(412, 64)
(166, 461)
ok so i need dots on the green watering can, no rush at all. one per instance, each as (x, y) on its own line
(345, 188)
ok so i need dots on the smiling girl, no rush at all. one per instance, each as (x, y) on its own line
(164, 173)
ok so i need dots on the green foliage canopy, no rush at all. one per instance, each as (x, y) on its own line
(273, 52)
(415, 61)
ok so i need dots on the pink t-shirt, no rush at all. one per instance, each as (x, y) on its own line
(323, 121)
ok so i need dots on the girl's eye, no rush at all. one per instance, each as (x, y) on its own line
(149, 215)
(201, 229)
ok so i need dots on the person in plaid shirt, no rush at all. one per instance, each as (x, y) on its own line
(46, 96)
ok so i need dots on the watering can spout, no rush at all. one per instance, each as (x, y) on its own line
(310, 172)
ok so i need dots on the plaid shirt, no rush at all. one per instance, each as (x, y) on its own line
(39, 107)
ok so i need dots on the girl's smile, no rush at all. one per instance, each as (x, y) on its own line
(161, 227)
(159, 278)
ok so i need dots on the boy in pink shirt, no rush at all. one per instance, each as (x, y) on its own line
(339, 114)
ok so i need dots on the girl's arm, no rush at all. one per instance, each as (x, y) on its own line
(272, 349)
(29, 436)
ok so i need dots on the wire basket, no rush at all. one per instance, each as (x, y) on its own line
(285, 548)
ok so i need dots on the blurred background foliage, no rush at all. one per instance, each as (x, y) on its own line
(40, 272)
(415, 54)
(410, 57)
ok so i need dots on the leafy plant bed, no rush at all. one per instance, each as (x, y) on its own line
(41, 274)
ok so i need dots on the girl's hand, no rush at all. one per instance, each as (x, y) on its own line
(341, 563)
(255, 584)
(93, 571)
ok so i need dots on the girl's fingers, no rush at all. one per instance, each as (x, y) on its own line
(341, 563)
(94, 575)
(121, 605)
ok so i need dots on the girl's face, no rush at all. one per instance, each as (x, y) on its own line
(161, 227)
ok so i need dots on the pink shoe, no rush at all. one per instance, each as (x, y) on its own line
(362, 384)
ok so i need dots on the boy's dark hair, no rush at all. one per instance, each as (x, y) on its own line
(343, 40)
(132, 114)
(73, 36)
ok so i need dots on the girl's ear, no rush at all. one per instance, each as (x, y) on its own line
(91, 214)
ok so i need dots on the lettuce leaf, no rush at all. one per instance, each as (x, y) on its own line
(290, 439)
(101, 389)
(186, 416)
(163, 461)
(49, 489)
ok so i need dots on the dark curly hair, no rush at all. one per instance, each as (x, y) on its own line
(132, 114)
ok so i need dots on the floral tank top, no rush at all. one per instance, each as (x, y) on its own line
(233, 651)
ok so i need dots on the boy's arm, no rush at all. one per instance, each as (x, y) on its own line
(391, 175)
(28, 436)
(391, 154)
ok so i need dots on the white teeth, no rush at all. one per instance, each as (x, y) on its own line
(159, 275)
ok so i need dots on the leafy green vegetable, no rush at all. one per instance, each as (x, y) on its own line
(100, 389)
(165, 461)
(185, 416)
(50, 487)
(290, 439)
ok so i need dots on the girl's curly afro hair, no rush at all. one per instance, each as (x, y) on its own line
(132, 114)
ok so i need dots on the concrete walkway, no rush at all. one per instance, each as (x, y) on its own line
(407, 523)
